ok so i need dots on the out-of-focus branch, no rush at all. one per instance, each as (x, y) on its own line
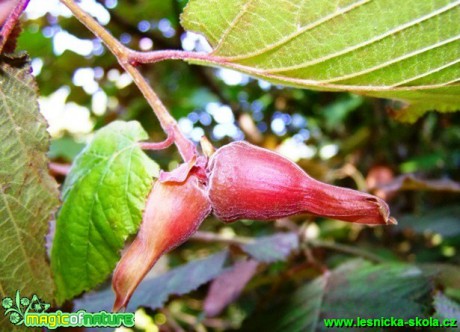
(345, 249)
(349, 170)
(213, 237)
(126, 26)
(59, 169)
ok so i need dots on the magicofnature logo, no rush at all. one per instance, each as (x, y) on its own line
(31, 312)
(18, 307)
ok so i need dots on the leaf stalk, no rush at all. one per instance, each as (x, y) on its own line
(126, 59)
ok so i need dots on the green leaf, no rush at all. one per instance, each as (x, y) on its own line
(445, 275)
(354, 289)
(154, 292)
(444, 221)
(405, 50)
(28, 194)
(104, 196)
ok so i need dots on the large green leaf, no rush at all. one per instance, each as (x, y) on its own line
(406, 50)
(355, 289)
(104, 196)
(28, 194)
(444, 221)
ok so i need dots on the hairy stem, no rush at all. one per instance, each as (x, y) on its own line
(157, 56)
(122, 53)
(159, 145)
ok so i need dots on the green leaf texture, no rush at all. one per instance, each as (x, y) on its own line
(28, 194)
(104, 196)
(354, 289)
(406, 50)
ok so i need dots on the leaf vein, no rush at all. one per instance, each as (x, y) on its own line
(364, 44)
(393, 61)
(296, 33)
(427, 73)
(233, 24)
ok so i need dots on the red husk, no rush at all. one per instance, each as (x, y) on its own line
(244, 182)
(248, 182)
(173, 213)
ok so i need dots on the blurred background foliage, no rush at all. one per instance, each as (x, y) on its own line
(338, 138)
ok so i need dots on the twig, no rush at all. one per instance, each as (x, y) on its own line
(171, 320)
(59, 169)
(136, 57)
(287, 224)
(129, 58)
(162, 43)
(351, 171)
(123, 54)
(217, 323)
(191, 320)
(159, 145)
(213, 237)
(346, 249)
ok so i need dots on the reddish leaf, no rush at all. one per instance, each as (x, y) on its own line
(228, 286)
(269, 249)
(154, 292)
